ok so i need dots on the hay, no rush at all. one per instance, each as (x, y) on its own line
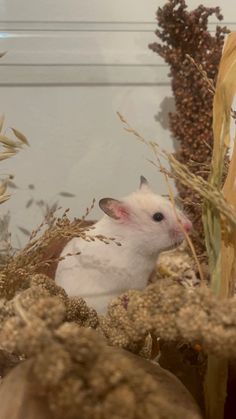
(72, 368)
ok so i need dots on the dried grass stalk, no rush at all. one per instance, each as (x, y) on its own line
(219, 215)
(221, 254)
(221, 247)
(227, 78)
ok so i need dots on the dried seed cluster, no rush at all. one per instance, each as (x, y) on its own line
(73, 368)
(28, 319)
(173, 313)
(181, 34)
(72, 365)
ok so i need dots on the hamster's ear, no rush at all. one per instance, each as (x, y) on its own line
(114, 208)
(144, 185)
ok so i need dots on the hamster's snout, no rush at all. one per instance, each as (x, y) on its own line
(177, 230)
(184, 221)
(187, 225)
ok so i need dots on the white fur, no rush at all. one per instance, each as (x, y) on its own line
(103, 271)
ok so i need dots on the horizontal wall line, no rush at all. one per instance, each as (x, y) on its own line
(74, 84)
(83, 59)
(82, 65)
(88, 26)
(12, 31)
(102, 22)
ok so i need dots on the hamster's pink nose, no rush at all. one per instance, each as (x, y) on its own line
(187, 225)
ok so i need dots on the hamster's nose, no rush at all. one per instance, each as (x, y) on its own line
(187, 225)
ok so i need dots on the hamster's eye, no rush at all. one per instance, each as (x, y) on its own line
(158, 216)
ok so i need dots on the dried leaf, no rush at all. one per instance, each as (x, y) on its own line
(221, 250)
(67, 194)
(31, 186)
(222, 105)
(121, 117)
(228, 250)
(4, 198)
(4, 156)
(2, 54)
(24, 231)
(20, 136)
(8, 149)
(3, 187)
(128, 130)
(8, 142)
(2, 119)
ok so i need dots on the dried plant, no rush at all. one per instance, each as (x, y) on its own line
(37, 255)
(72, 366)
(73, 369)
(220, 215)
(5, 239)
(65, 356)
(165, 309)
(221, 247)
(183, 34)
(9, 148)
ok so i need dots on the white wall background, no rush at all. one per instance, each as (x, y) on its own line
(70, 65)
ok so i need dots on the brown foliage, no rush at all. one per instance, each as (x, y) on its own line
(184, 33)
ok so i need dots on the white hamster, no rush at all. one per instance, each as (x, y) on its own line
(145, 224)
